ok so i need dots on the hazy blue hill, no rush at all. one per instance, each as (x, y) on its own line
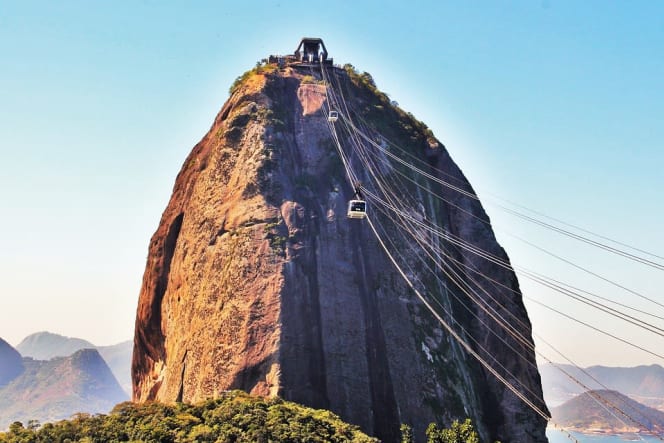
(644, 383)
(11, 364)
(557, 387)
(46, 345)
(608, 411)
(56, 389)
(640, 380)
(118, 358)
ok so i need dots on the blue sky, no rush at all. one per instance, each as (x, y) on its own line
(556, 105)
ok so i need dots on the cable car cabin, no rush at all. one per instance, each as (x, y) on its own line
(357, 209)
(334, 115)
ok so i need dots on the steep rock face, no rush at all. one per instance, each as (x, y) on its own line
(256, 279)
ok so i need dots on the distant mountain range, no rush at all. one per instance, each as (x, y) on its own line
(46, 345)
(53, 377)
(607, 412)
(57, 388)
(642, 383)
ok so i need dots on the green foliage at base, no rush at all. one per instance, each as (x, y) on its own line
(234, 418)
(457, 433)
(406, 434)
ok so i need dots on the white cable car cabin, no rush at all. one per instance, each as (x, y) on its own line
(357, 209)
(334, 115)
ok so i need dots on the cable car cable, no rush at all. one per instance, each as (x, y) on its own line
(474, 196)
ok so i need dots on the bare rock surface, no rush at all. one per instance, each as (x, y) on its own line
(256, 280)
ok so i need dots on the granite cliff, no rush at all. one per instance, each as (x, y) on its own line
(256, 280)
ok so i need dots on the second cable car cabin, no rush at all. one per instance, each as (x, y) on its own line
(357, 209)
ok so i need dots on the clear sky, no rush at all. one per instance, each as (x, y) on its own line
(556, 105)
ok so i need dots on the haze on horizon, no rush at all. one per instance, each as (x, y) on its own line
(555, 105)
